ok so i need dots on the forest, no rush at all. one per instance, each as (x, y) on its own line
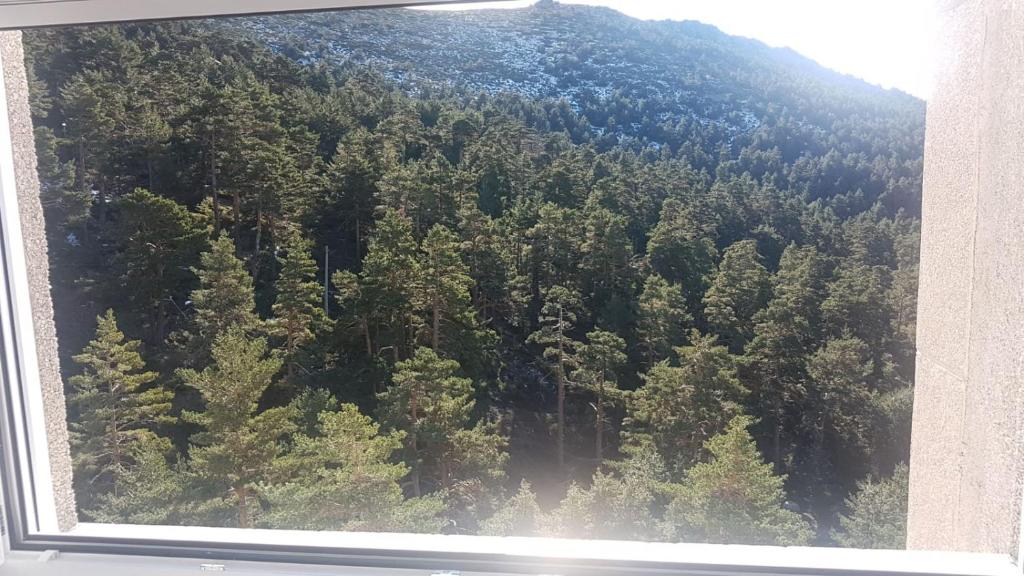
(299, 287)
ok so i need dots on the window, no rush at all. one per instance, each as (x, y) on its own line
(327, 291)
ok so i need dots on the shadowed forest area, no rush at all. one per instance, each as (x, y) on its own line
(550, 271)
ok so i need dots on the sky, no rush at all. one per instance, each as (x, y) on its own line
(885, 42)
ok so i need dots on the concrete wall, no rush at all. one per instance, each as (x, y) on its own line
(967, 462)
(34, 232)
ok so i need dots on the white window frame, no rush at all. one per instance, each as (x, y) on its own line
(30, 508)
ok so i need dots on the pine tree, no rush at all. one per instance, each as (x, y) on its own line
(555, 245)
(150, 491)
(298, 310)
(605, 266)
(738, 290)
(661, 320)
(837, 414)
(239, 444)
(432, 406)
(680, 407)
(65, 205)
(857, 304)
(520, 515)
(876, 513)
(680, 251)
(225, 297)
(158, 240)
(387, 285)
(615, 506)
(343, 477)
(444, 290)
(601, 358)
(117, 410)
(557, 321)
(786, 332)
(734, 497)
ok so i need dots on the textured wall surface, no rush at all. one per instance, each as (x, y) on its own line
(33, 230)
(967, 450)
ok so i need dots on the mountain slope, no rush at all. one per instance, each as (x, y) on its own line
(676, 71)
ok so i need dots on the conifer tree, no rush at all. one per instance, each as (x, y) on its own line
(876, 513)
(158, 240)
(681, 406)
(738, 290)
(555, 245)
(117, 410)
(837, 413)
(786, 332)
(605, 266)
(225, 297)
(445, 285)
(65, 205)
(150, 491)
(734, 497)
(387, 285)
(432, 406)
(679, 250)
(298, 310)
(520, 515)
(238, 444)
(600, 361)
(661, 320)
(615, 506)
(343, 477)
(557, 321)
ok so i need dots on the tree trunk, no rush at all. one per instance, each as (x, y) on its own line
(436, 336)
(237, 205)
(242, 493)
(777, 441)
(214, 193)
(599, 436)
(258, 241)
(561, 418)
(414, 471)
(366, 336)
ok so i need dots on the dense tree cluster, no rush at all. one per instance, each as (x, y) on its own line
(328, 300)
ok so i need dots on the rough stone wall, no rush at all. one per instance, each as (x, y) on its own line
(33, 230)
(967, 449)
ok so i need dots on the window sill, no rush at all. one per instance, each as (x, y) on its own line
(418, 553)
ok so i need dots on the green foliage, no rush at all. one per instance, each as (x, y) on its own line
(224, 299)
(149, 491)
(239, 444)
(387, 285)
(342, 477)
(557, 321)
(600, 361)
(446, 453)
(679, 250)
(739, 288)
(662, 319)
(299, 316)
(620, 507)
(117, 408)
(518, 516)
(734, 497)
(876, 513)
(158, 241)
(680, 407)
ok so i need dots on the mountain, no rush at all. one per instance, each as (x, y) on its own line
(629, 77)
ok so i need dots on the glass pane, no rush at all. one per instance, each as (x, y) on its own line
(550, 270)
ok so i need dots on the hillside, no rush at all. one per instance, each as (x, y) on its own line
(626, 77)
